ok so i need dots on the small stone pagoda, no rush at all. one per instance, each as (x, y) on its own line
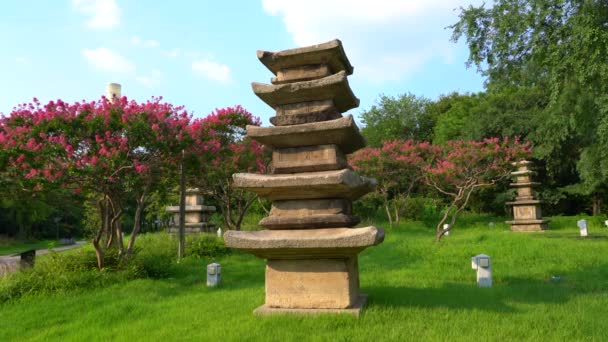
(197, 214)
(309, 243)
(527, 214)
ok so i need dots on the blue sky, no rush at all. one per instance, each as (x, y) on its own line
(202, 54)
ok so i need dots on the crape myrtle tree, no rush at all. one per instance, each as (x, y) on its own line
(557, 49)
(461, 167)
(225, 150)
(107, 149)
(397, 166)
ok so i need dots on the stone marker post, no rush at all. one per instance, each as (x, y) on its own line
(482, 264)
(582, 225)
(214, 274)
(309, 242)
(446, 226)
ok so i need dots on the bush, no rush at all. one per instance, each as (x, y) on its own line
(206, 246)
(369, 206)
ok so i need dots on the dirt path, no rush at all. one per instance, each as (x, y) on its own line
(10, 263)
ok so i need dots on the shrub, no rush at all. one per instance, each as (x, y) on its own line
(206, 246)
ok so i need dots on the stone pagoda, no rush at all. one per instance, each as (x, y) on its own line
(309, 243)
(197, 214)
(527, 214)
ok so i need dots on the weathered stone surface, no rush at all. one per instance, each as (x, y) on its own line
(308, 158)
(305, 243)
(306, 107)
(342, 132)
(528, 225)
(334, 87)
(203, 208)
(309, 185)
(330, 53)
(309, 222)
(194, 228)
(312, 283)
(331, 206)
(301, 73)
(298, 119)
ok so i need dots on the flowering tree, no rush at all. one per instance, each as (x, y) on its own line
(397, 166)
(463, 166)
(226, 150)
(107, 149)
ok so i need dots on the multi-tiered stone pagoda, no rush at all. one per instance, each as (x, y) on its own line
(527, 215)
(197, 214)
(309, 243)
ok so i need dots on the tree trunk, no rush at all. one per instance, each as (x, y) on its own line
(182, 210)
(597, 203)
(137, 224)
(388, 214)
(97, 238)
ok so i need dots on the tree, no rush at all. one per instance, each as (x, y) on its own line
(401, 118)
(461, 167)
(397, 167)
(226, 150)
(557, 49)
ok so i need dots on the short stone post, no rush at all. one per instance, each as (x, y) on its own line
(606, 223)
(446, 227)
(582, 225)
(219, 232)
(214, 274)
(482, 264)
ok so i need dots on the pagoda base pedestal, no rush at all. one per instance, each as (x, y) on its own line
(354, 310)
(312, 283)
(528, 225)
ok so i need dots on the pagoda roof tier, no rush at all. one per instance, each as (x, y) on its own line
(524, 185)
(307, 185)
(342, 132)
(523, 173)
(334, 87)
(525, 202)
(330, 53)
(192, 208)
(305, 243)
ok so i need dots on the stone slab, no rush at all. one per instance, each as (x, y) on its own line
(305, 243)
(355, 310)
(527, 202)
(334, 87)
(527, 212)
(330, 53)
(309, 221)
(301, 73)
(536, 227)
(308, 158)
(192, 208)
(342, 132)
(298, 119)
(329, 206)
(306, 108)
(312, 283)
(524, 185)
(309, 185)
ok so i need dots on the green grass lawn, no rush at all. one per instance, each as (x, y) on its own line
(11, 246)
(419, 290)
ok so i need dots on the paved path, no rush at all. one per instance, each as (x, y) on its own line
(10, 263)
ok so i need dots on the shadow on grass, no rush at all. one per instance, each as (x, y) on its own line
(499, 298)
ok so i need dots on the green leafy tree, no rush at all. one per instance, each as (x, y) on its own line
(403, 118)
(559, 50)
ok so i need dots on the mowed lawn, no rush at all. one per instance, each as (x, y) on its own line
(419, 290)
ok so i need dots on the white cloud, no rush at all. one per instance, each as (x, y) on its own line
(150, 81)
(212, 70)
(150, 43)
(384, 39)
(174, 53)
(103, 14)
(108, 60)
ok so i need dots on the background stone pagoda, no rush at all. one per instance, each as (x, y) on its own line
(197, 214)
(311, 250)
(527, 215)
